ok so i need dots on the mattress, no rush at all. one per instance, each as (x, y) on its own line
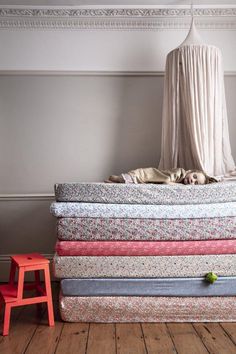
(147, 309)
(96, 210)
(145, 229)
(224, 286)
(145, 193)
(144, 248)
(143, 267)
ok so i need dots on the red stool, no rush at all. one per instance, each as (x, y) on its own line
(12, 294)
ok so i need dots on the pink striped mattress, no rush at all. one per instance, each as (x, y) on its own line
(145, 248)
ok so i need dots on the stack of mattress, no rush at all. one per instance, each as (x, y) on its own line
(129, 252)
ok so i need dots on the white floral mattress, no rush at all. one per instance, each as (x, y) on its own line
(142, 211)
(143, 266)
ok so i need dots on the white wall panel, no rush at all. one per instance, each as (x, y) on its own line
(80, 50)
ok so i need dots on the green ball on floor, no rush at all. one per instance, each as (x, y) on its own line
(211, 277)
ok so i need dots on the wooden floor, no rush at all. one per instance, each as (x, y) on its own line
(30, 334)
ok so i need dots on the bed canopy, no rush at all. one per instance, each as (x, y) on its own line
(194, 118)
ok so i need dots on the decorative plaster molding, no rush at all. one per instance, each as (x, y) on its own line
(116, 12)
(116, 18)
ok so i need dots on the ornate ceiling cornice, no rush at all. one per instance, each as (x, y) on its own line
(116, 18)
(115, 12)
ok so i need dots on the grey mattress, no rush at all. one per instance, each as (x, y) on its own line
(145, 193)
(224, 286)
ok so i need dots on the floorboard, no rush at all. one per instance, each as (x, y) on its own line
(215, 338)
(230, 329)
(21, 331)
(158, 339)
(74, 337)
(185, 339)
(129, 337)
(45, 338)
(102, 339)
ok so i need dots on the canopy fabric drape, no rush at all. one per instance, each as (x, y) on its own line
(194, 120)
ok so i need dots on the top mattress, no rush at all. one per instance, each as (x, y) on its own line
(119, 193)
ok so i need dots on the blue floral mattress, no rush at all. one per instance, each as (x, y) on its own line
(224, 286)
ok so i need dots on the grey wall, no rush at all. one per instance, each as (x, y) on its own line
(81, 128)
(72, 128)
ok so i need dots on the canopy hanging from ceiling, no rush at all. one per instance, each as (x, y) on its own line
(194, 119)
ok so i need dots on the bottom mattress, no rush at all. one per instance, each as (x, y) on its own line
(148, 309)
(224, 286)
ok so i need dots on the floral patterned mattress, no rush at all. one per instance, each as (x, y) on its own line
(98, 210)
(147, 309)
(143, 266)
(145, 193)
(224, 286)
(146, 229)
(144, 248)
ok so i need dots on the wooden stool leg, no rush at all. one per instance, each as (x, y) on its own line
(7, 316)
(49, 296)
(37, 285)
(20, 286)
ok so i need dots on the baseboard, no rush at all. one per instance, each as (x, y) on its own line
(26, 197)
(5, 262)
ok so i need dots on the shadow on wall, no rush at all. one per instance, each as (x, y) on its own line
(138, 134)
(27, 226)
(139, 121)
